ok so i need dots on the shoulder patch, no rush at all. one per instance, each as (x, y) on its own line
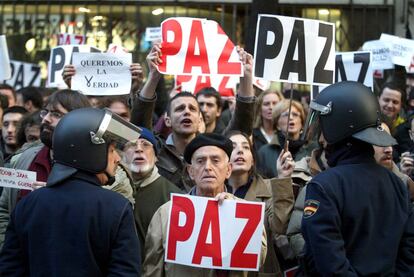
(311, 207)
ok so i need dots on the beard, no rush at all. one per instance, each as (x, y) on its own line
(46, 134)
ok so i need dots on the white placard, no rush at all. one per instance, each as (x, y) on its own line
(19, 179)
(233, 232)
(61, 56)
(381, 54)
(153, 34)
(116, 49)
(102, 73)
(5, 71)
(294, 50)
(402, 49)
(261, 83)
(24, 75)
(193, 46)
(225, 85)
(71, 39)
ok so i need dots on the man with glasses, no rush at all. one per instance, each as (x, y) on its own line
(38, 158)
(151, 189)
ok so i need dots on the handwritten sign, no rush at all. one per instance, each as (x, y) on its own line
(202, 233)
(5, 71)
(71, 39)
(294, 50)
(19, 179)
(193, 46)
(102, 73)
(24, 75)
(381, 54)
(153, 34)
(402, 49)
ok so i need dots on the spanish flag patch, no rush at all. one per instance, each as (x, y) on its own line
(311, 206)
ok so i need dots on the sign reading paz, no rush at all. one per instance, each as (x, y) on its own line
(24, 75)
(71, 39)
(225, 85)
(294, 50)
(202, 233)
(192, 46)
(102, 73)
(14, 178)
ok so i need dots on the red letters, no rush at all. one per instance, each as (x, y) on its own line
(223, 89)
(179, 233)
(173, 47)
(238, 257)
(191, 58)
(213, 249)
(224, 66)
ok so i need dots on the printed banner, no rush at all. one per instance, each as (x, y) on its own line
(19, 179)
(193, 46)
(225, 85)
(5, 71)
(24, 75)
(102, 73)
(402, 49)
(202, 233)
(294, 50)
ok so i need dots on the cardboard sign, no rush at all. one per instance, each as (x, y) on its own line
(294, 50)
(71, 39)
(19, 179)
(202, 233)
(193, 46)
(225, 85)
(102, 73)
(402, 49)
(61, 56)
(381, 54)
(24, 75)
(153, 34)
(5, 71)
(351, 66)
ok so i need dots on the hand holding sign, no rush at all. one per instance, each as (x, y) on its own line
(67, 74)
(246, 82)
(137, 75)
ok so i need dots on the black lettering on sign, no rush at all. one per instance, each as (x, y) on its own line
(36, 71)
(299, 65)
(58, 54)
(267, 51)
(75, 50)
(320, 74)
(364, 59)
(19, 81)
(340, 69)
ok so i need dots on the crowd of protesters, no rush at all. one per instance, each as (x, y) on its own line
(258, 154)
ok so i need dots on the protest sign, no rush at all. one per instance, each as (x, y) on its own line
(225, 85)
(153, 34)
(71, 39)
(402, 49)
(261, 84)
(193, 46)
(19, 179)
(381, 54)
(116, 49)
(351, 66)
(294, 50)
(102, 73)
(24, 75)
(61, 56)
(202, 233)
(5, 71)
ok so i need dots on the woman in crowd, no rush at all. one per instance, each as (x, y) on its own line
(267, 155)
(277, 194)
(263, 126)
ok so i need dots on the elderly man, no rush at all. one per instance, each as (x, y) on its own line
(208, 158)
(151, 189)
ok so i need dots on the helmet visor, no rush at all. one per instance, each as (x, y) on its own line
(312, 128)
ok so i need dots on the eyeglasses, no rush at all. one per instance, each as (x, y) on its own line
(144, 144)
(53, 114)
(292, 114)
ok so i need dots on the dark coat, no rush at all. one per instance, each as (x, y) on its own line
(71, 228)
(358, 220)
(258, 140)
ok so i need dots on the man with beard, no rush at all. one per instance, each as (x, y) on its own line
(39, 157)
(151, 189)
(183, 116)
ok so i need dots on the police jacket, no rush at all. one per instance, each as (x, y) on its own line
(71, 228)
(358, 220)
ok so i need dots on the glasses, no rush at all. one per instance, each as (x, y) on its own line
(144, 144)
(53, 114)
(292, 114)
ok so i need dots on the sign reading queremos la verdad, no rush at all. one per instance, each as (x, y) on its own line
(102, 73)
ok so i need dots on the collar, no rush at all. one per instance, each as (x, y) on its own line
(193, 191)
(170, 140)
(258, 189)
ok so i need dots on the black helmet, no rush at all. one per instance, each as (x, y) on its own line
(82, 137)
(348, 109)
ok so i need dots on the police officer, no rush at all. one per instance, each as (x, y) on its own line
(73, 227)
(358, 220)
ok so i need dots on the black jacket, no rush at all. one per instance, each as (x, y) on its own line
(358, 220)
(71, 228)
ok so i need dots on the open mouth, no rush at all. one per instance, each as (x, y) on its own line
(139, 160)
(239, 160)
(186, 122)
